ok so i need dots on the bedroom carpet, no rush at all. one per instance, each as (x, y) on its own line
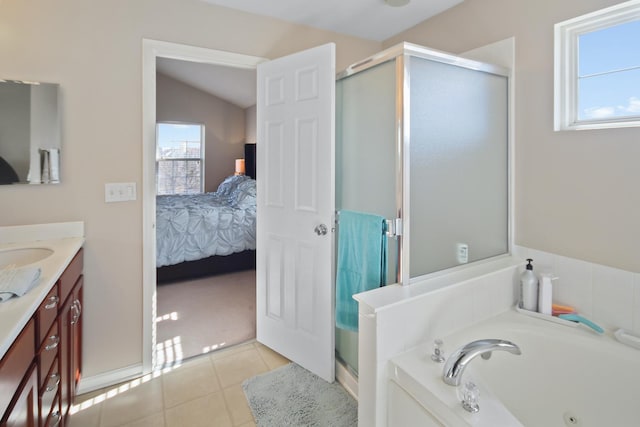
(203, 315)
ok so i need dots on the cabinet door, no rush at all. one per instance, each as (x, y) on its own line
(76, 338)
(66, 315)
(71, 347)
(24, 412)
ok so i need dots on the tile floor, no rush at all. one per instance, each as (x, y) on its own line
(203, 391)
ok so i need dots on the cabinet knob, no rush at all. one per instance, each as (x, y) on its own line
(56, 417)
(53, 302)
(55, 340)
(56, 381)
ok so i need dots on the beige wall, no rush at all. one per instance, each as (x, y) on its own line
(94, 50)
(576, 192)
(224, 124)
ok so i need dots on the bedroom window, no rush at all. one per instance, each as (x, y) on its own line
(597, 69)
(179, 158)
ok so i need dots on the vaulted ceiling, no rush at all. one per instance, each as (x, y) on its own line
(369, 19)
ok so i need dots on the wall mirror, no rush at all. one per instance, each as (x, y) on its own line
(29, 132)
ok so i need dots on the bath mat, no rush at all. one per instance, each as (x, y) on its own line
(293, 396)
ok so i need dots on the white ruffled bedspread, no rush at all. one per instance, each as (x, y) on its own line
(191, 227)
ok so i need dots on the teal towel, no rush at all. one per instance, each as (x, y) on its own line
(362, 262)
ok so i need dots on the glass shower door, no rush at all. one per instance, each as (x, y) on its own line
(366, 151)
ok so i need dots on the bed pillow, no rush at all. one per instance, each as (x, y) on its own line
(244, 196)
(230, 183)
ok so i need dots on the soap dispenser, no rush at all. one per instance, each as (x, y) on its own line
(529, 288)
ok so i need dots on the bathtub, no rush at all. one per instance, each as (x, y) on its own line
(566, 376)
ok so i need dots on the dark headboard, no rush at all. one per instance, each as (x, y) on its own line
(8, 175)
(250, 160)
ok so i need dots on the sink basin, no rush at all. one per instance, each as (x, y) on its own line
(23, 256)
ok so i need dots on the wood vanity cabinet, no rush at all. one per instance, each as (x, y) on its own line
(40, 372)
(71, 354)
(18, 381)
(70, 319)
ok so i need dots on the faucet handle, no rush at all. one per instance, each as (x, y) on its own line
(469, 395)
(438, 354)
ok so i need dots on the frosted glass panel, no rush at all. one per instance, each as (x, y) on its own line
(366, 146)
(458, 166)
(365, 162)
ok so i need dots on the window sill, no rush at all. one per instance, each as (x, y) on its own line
(601, 125)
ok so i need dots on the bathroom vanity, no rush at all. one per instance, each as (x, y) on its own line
(41, 332)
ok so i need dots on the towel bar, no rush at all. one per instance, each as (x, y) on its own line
(394, 227)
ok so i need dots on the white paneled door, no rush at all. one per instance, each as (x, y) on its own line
(295, 178)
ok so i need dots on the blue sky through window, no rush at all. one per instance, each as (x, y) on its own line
(173, 136)
(609, 72)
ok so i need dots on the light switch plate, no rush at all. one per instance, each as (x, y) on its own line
(119, 192)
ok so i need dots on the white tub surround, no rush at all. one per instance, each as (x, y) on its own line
(64, 239)
(608, 296)
(563, 374)
(395, 319)
(416, 379)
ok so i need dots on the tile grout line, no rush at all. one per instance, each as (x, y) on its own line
(221, 389)
(100, 413)
(164, 402)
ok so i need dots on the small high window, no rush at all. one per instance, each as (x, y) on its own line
(179, 158)
(597, 69)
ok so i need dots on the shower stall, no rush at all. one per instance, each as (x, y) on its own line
(422, 139)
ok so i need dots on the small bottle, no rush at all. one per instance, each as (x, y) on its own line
(545, 294)
(529, 288)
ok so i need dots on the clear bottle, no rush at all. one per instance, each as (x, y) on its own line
(529, 288)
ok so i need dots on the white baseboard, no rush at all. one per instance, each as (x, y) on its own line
(96, 382)
(347, 379)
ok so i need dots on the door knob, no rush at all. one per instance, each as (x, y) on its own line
(321, 230)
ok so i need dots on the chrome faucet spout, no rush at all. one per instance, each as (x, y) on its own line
(458, 361)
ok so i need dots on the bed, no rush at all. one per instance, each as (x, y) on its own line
(209, 233)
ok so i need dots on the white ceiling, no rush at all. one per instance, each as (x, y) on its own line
(369, 19)
(234, 85)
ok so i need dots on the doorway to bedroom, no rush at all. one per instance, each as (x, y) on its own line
(205, 209)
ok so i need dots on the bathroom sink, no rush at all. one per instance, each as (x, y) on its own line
(23, 256)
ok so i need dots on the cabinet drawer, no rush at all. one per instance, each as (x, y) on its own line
(15, 363)
(48, 353)
(50, 390)
(47, 313)
(71, 275)
(55, 417)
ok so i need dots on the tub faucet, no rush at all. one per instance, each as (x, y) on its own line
(458, 361)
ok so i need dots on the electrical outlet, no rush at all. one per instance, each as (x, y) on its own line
(462, 253)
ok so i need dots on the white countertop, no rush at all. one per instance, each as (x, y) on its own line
(64, 239)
